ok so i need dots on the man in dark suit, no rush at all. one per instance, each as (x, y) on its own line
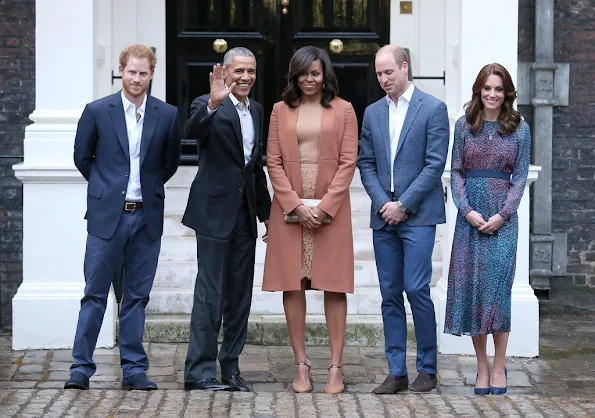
(404, 142)
(127, 146)
(227, 195)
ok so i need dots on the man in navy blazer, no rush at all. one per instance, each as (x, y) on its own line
(404, 143)
(127, 147)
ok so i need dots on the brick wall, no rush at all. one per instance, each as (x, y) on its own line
(17, 101)
(573, 194)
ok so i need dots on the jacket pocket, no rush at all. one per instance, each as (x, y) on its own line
(208, 189)
(94, 191)
(160, 191)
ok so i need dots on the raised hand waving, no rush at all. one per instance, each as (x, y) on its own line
(219, 91)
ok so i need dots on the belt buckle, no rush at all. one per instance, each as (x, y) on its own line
(130, 206)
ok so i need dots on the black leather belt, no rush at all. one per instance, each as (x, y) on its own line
(132, 206)
(493, 174)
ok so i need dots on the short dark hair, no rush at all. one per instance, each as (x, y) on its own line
(299, 63)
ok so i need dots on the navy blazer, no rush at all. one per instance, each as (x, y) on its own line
(419, 161)
(102, 156)
(217, 192)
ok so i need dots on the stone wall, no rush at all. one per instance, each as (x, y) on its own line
(573, 179)
(17, 101)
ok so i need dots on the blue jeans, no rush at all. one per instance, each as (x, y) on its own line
(404, 262)
(131, 243)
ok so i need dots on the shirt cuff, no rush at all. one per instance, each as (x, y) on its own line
(210, 112)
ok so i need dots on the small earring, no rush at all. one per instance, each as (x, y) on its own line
(324, 86)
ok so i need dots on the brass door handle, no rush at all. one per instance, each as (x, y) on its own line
(336, 46)
(220, 46)
(284, 3)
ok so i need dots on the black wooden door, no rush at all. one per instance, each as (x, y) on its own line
(273, 30)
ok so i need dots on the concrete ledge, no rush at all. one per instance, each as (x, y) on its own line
(271, 330)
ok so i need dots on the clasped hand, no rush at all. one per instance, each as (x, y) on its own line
(492, 225)
(392, 214)
(310, 216)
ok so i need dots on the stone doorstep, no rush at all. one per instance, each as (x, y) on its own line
(271, 330)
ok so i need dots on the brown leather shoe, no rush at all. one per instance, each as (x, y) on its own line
(424, 382)
(392, 384)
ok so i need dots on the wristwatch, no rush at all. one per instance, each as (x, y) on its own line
(402, 207)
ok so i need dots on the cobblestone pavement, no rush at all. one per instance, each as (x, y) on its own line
(559, 383)
(176, 403)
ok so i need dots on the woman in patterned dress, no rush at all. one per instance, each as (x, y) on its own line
(490, 163)
(311, 154)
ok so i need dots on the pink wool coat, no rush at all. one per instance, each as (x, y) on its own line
(332, 267)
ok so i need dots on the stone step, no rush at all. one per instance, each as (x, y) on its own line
(271, 330)
(173, 291)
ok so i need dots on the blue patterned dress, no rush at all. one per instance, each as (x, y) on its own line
(482, 266)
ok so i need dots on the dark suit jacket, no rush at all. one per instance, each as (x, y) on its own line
(217, 191)
(102, 156)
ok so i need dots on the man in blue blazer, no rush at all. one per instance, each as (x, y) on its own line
(127, 146)
(404, 142)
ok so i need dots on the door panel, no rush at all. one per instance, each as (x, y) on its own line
(261, 26)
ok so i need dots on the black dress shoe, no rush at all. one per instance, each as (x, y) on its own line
(209, 383)
(78, 380)
(236, 383)
(424, 382)
(138, 381)
(392, 384)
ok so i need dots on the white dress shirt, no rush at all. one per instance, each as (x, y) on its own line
(396, 118)
(246, 123)
(134, 130)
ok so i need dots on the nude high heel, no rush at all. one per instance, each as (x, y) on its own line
(333, 390)
(300, 387)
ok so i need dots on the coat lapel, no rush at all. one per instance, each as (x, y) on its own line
(116, 114)
(288, 118)
(230, 111)
(151, 117)
(383, 122)
(257, 127)
(409, 118)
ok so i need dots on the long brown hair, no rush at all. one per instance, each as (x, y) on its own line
(299, 63)
(509, 118)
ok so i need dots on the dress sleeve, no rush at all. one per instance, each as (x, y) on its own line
(457, 170)
(519, 173)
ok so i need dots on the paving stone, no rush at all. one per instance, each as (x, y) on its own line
(448, 374)
(268, 387)
(51, 385)
(31, 368)
(539, 368)
(59, 376)
(59, 366)
(160, 371)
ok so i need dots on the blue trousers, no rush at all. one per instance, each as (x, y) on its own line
(131, 243)
(404, 262)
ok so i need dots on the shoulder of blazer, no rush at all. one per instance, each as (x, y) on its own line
(377, 105)
(111, 100)
(340, 104)
(428, 99)
(155, 102)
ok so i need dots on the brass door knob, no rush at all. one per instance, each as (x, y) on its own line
(284, 3)
(336, 46)
(220, 46)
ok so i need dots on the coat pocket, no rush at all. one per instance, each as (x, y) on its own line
(208, 189)
(94, 191)
(160, 191)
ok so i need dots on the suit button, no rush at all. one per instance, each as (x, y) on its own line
(241, 189)
(126, 174)
(123, 192)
